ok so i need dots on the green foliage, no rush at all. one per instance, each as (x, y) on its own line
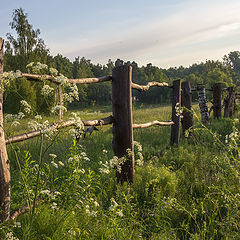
(190, 192)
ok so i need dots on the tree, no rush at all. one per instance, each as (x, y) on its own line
(27, 46)
(232, 60)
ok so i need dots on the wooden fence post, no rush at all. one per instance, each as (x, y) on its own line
(123, 123)
(187, 120)
(4, 162)
(176, 105)
(217, 100)
(229, 103)
(202, 100)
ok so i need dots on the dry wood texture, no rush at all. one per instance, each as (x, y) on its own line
(39, 78)
(122, 126)
(150, 84)
(187, 120)
(217, 100)
(202, 100)
(90, 80)
(229, 102)
(4, 162)
(153, 123)
(176, 104)
(25, 136)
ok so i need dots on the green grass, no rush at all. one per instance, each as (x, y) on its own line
(190, 192)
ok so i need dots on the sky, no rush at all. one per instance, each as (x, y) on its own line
(166, 33)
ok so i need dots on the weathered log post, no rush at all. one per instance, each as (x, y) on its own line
(187, 120)
(4, 162)
(217, 100)
(176, 106)
(202, 100)
(229, 103)
(123, 123)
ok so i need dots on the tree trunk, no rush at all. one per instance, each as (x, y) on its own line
(4, 162)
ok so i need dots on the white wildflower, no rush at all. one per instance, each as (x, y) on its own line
(45, 192)
(10, 236)
(46, 90)
(38, 117)
(53, 156)
(27, 108)
(61, 163)
(53, 71)
(119, 213)
(57, 108)
(54, 164)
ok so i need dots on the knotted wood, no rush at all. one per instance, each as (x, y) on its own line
(4, 162)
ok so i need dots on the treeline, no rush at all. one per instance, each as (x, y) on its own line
(29, 47)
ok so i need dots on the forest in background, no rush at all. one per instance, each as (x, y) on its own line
(26, 46)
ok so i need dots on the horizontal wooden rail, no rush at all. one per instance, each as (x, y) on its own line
(39, 78)
(153, 123)
(32, 134)
(90, 80)
(149, 84)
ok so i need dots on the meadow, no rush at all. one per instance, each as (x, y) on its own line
(186, 192)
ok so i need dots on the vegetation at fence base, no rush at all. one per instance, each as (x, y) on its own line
(28, 47)
(190, 192)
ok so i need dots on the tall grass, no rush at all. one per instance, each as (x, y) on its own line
(190, 192)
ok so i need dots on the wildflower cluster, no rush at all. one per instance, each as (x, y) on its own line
(72, 93)
(79, 126)
(46, 90)
(179, 111)
(57, 108)
(14, 118)
(115, 207)
(26, 107)
(114, 163)
(7, 77)
(233, 137)
(139, 159)
(37, 68)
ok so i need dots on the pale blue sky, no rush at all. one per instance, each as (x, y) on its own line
(165, 33)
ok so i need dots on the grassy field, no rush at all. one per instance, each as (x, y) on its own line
(189, 192)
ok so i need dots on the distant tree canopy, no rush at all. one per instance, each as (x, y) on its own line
(28, 47)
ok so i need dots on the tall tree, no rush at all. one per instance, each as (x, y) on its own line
(27, 46)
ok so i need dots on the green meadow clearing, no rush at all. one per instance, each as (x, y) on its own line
(189, 192)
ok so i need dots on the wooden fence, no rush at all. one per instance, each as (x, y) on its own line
(121, 119)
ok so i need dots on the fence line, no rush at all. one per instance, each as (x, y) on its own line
(122, 119)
